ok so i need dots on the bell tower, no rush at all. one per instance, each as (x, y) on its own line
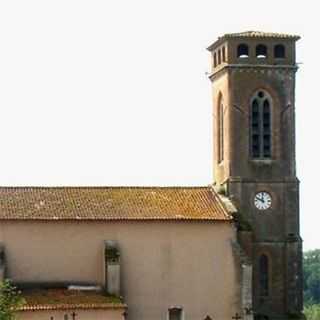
(253, 81)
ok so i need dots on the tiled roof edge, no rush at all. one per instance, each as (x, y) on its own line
(261, 34)
(104, 187)
(254, 35)
(182, 219)
(66, 306)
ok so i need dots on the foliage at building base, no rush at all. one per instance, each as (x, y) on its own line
(10, 300)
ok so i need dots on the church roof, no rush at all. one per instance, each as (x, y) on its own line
(261, 34)
(111, 203)
(64, 299)
(254, 35)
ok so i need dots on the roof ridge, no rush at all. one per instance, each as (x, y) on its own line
(259, 34)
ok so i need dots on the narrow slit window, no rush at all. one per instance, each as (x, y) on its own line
(220, 130)
(264, 275)
(223, 54)
(215, 59)
(260, 126)
(219, 56)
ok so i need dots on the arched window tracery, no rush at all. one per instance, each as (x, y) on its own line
(260, 126)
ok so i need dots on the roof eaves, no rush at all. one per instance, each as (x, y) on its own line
(67, 306)
(253, 34)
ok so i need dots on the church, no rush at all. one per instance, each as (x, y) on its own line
(230, 250)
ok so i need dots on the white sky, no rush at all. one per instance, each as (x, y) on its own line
(115, 92)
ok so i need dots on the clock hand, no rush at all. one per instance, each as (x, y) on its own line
(260, 199)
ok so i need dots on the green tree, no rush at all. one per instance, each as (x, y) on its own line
(311, 275)
(312, 312)
(10, 300)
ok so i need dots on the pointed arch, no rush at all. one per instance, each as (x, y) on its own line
(260, 125)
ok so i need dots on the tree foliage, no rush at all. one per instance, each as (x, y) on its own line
(312, 312)
(10, 300)
(311, 275)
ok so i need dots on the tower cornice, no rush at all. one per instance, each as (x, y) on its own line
(253, 68)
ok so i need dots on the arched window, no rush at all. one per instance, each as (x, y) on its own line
(220, 116)
(215, 59)
(219, 56)
(261, 51)
(264, 275)
(223, 54)
(260, 126)
(243, 51)
(279, 51)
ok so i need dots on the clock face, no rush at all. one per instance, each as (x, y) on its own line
(262, 200)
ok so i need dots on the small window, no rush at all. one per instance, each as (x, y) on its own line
(243, 51)
(65, 317)
(175, 313)
(223, 54)
(219, 56)
(261, 51)
(279, 51)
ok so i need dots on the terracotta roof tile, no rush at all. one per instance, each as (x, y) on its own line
(261, 34)
(63, 299)
(253, 34)
(111, 203)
